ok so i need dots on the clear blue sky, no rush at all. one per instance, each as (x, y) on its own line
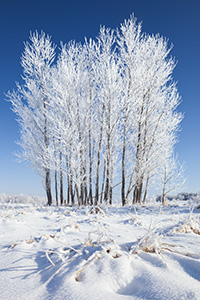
(178, 20)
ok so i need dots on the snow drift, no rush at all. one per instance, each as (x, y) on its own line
(76, 253)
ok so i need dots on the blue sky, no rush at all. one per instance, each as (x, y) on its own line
(178, 20)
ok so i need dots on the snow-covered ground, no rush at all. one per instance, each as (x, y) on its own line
(150, 252)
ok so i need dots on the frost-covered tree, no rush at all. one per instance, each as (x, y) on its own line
(128, 41)
(109, 93)
(151, 99)
(172, 174)
(103, 115)
(30, 103)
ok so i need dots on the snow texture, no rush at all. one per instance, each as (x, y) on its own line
(150, 252)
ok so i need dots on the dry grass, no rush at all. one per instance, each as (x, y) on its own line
(188, 225)
(184, 228)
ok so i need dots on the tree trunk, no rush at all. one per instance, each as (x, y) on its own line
(61, 179)
(68, 182)
(164, 187)
(111, 179)
(107, 179)
(46, 143)
(56, 173)
(134, 195)
(70, 175)
(103, 182)
(98, 158)
(71, 189)
(68, 191)
(137, 194)
(124, 198)
(90, 168)
(124, 201)
(48, 186)
(56, 187)
(107, 187)
(77, 190)
(110, 195)
(163, 199)
(90, 198)
(145, 192)
(139, 180)
(140, 193)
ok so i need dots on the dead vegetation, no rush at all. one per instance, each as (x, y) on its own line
(188, 225)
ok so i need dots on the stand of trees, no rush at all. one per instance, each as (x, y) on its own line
(102, 115)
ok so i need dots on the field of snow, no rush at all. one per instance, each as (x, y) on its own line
(81, 253)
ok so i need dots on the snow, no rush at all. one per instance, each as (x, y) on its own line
(73, 253)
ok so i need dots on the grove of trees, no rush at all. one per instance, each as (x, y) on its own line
(101, 115)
